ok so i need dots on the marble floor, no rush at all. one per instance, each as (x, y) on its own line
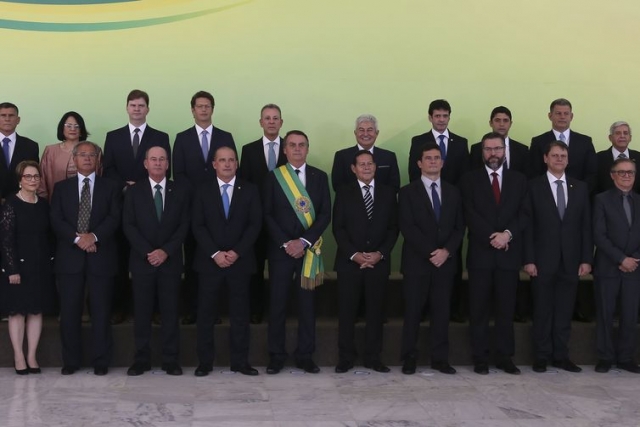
(293, 398)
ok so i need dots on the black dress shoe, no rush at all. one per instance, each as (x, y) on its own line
(567, 365)
(255, 319)
(189, 319)
(274, 367)
(343, 366)
(138, 368)
(629, 366)
(603, 366)
(203, 370)
(457, 318)
(68, 370)
(24, 371)
(308, 365)
(443, 367)
(172, 368)
(409, 366)
(34, 370)
(540, 365)
(377, 366)
(581, 317)
(481, 368)
(519, 318)
(508, 366)
(117, 318)
(100, 370)
(245, 370)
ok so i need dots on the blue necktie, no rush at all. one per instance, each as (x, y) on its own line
(562, 138)
(225, 200)
(5, 148)
(205, 145)
(436, 200)
(443, 148)
(271, 159)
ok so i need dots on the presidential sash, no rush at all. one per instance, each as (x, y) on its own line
(296, 193)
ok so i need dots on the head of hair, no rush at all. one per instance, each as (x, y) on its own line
(146, 154)
(93, 145)
(560, 101)
(361, 153)
(215, 154)
(428, 146)
(25, 164)
(616, 162)
(439, 104)
(202, 94)
(559, 144)
(296, 132)
(274, 106)
(501, 109)
(137, 94)
(84, 133)
(617, 124)
(363, 118)
(491, 135)
(9, 105)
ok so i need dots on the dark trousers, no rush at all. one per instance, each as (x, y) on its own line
(166, 287)
(208, 304)
(281, 274)
(122, 292)
(608, 290)
(433, 288)
(257, 284)
(190, 288)
(487, 286)
(71, 290)
(553, 298)
(351, 283)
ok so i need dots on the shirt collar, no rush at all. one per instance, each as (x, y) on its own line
(209, 129)
(371, 184)
(553, 179)
(361, 148)
(490, 171)
(266, 141)
(162, 183)
(142, 128)
(436, 134)
(221, 182)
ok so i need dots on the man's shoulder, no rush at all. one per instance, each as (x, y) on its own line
(348, 151)
(455, 137)
(220, 132)
(157, 133)
(579, 136)
(25, 141)
(517, 145)
(543, 137)
(252, 146)
(190, 131)
(316, 171)
(423, 137)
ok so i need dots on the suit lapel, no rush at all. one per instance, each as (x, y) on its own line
(547, 195)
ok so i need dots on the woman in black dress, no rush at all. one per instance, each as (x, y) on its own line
(26, 287)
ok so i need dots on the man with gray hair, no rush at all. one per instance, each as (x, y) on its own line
(366, 132)
(620, 137)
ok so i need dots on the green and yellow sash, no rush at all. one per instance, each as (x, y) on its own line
(312, 266)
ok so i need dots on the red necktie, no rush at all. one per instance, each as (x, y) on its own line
(496, 187)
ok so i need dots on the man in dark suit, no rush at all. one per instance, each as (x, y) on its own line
(258, 159)
(297, 210)
(620, 137)
(493, 199)
(366, 133)
(124, 155)
(432, 225)
(85, 214)
(156, 222)
(616, 233)
(558, 250)
(193, 152)
(227, 218)
(454, 149)
(366, 228)
(15, 148)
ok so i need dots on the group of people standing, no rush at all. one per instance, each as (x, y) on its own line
(116, 213)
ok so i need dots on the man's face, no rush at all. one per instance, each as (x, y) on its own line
(9, 120)
(365, 168)
(501, 123)
(431, 163)
(621, 137)
(85, 159)
(225, 164)
(366, 134)
(271, 122)
(439, 120)
(156, 163)
(202, 111)
(624, 175)
(493, 153)
(561, 117)
(557, 160)
(296, 148)
(137, 109)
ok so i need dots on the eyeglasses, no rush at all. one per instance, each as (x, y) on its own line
(28, 177)
(72, 126)
(493, 149)
(624, 173)
(87, 155)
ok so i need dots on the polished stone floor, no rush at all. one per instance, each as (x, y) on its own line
(293, 398)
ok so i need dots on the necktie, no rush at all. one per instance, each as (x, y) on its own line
(627, 208)
(436, 200)
(157, 200)
(84, 212)
(562, 138)
(443, 148)
(298, 172)
(136, 142)
(368, 201)
(205, 145)
(271, 159)
(496, 186)
(225, 199)
(5, 148)
(562, 204)
(622, 156)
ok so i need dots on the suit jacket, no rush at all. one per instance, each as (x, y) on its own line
(146, 234)
(214, 232)
(253, 166)
(455, 166)
(118, 161)
(387, 172)
(281, 221)
(485, 217)
(25, 149)
(188, 164)
(605, 161)
(422, 233)
(104, 221)
(549, 239)
(355, 232)
(583, 163)
(518, 156)
(615, 239)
